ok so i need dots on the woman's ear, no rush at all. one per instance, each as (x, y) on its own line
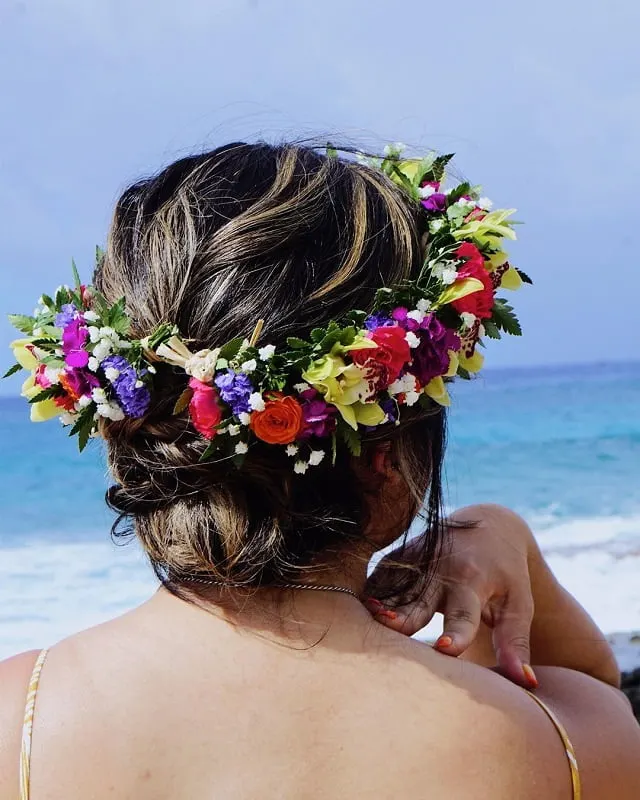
(382, 460)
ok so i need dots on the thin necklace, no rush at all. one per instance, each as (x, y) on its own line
(304, 586)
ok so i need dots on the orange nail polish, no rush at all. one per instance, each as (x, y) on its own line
(444, 641)
(530, 675)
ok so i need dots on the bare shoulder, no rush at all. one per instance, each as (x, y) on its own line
(15, 674)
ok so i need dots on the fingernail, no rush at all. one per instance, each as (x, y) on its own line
(530, 675)
(386, 613)
(444, 641)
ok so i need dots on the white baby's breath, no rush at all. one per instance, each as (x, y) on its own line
(468, 319)
(485, 204)
(426, 191)
(84, 401)
(301, 387)
(249, 366)
(93, 364)
(241, 448)
(292, 449)
(267, 352)
(412, 340)
(94, 333)
(244, 418)
(423, 305)
(300, 467)
(90, 316)
(68, 419)
(112, 374)
(411, 398)
(256, 402)
(316, 457)
(233, 430)
(151, 369)
(416, 315)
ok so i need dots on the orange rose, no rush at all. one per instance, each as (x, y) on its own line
(280, 422)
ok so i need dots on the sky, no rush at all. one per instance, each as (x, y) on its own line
(540, 101)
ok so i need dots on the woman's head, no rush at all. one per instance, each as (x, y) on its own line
(212, 244)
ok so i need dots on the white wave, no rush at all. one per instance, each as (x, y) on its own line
(48, 590)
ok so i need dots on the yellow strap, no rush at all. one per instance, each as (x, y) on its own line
(571, 753)
(27, 728)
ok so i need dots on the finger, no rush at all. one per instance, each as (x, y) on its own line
(462, 613)
(511, 639)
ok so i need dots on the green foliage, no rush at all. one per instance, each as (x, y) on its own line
(491, 329)
(459, 191)
(464, 374)
(231, 349)
(297, 344)
(183, 401)
(350, 437)
(317, 335)
(505, 319)
(47, 394)
(524, 277)
(12, 370)
(84, 426)
(22, 323)
(76, 276)
(439, 166)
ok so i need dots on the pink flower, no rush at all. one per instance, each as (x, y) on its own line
(78, 383)
(74, 337)
(319, 418)
(204, 408)
(40, 377)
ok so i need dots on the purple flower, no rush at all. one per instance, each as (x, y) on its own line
(66, 316)
(235, 389)
(435, 202)
(400, 315)
(133, 396)
(378, 320)
(431, 357)
(390, 408)
(74, 335)
(319, 418)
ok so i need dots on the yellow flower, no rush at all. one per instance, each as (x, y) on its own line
(454, 361)
(457, 290)
(511, 279)
(23, 355)
(437, 390)
(472, 364)
(484, 231)
(359, 343)
(344, 386)
(45, 409)
(496, 260)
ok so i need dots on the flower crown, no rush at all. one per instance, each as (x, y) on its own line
(355, 374)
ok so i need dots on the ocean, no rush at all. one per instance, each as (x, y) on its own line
(560, 445)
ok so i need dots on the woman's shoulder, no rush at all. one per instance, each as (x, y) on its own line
(15, 674)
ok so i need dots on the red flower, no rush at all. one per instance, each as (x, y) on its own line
(389, 357)
(280, 422)
(481, 302)
(204, 410)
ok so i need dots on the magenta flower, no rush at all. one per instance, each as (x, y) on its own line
(431, 357)
(400, 316)
(319, 419)
(74, 337)
(78, 383)
(435, 202)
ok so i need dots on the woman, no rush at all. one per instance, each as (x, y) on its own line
(261, 478)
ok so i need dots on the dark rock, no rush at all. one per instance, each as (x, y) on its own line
(631, 687)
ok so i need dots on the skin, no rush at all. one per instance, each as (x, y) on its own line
(306, 695)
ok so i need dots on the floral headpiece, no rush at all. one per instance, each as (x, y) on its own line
(355, 374)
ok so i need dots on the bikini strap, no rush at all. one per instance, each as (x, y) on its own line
(27, 728)
(571, 753)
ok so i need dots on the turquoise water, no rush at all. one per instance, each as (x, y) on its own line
(561, 446)
(553, 443)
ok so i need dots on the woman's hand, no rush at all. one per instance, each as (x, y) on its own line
(483, 576)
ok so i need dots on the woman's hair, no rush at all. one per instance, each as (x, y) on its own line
(211, 244)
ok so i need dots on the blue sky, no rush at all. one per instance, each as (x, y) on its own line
(540, 101)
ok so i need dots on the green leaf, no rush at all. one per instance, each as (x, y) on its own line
(458, 192)
(523, 276)
(505, 319)
(317, 335)
(22, 323)
(76, 275)
(463, 373)
(439, 166)
(491, 329)
(84, 433)
(47, 394)
(47, 301)
(210, 450)
(351, 438)
(231, 349)
(297, 344)
(12, 370)
(99, 255)
(183, 401)
(331, 151)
